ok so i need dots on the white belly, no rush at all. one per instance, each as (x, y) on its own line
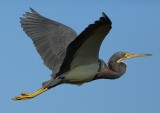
(83, 73)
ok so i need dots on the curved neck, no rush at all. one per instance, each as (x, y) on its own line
(118, 68)
(113, 70)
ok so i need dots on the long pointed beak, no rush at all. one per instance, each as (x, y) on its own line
(127, 56)
(135, 55)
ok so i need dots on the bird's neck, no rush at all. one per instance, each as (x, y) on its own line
(118, 68)
(113, 70)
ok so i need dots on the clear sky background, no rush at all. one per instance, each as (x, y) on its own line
(136, 29)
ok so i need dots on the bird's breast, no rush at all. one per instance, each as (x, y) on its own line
(82, 74)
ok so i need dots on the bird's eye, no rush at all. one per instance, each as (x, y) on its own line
(126, 55)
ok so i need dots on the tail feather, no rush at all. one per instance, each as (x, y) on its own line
(52, 83)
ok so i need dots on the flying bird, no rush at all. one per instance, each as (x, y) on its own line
(73, 59)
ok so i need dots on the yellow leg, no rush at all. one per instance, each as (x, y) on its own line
(25, 96)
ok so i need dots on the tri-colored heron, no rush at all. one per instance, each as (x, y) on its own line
(73, 58)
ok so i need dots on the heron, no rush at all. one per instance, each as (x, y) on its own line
(73, 59)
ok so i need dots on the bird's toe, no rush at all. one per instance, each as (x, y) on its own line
(23, 96)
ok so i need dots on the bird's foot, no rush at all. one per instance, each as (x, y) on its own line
(24, 96)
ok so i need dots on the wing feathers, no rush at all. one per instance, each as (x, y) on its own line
(84, 49)
(49, 37)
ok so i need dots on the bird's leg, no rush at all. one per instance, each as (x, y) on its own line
(25, 96)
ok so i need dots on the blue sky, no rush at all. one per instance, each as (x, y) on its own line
(135, 30)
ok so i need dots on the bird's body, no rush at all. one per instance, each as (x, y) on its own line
(81, 74)
(73, 58)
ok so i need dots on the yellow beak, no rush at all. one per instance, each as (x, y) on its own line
(127, 56)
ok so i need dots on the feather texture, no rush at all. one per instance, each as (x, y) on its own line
(84, 50)
(49, 37)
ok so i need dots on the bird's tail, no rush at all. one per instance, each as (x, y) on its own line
(52, 83)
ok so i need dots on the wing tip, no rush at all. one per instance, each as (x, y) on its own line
(31, 13)
(32, 10)
(106, 18)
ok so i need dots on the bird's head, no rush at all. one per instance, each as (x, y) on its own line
(120, 56)
(124, 55)
(117, 65)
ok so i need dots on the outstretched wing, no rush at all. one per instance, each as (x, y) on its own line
(49, 37)
(85, 48)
